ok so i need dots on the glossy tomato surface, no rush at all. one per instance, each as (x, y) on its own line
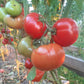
(33, 26)
(28, 63)
(66, 32)
(25, 47)
(48, 57)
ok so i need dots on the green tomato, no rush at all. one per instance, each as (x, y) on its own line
(25, 47)
(13, 8)
(3, 13)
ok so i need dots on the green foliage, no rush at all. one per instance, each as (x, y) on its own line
(80, 4)
(46, 10)
(70, 75)
(32, 74)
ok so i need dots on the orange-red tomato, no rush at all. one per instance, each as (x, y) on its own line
(48, 57)
(15, 23)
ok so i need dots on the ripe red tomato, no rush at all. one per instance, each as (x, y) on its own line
(39, 75)
(28, 64)
(3, 30)
(1, 70)
(66, 32)
(33, 26)
(48, 57)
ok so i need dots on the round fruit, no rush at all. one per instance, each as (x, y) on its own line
(1, 70)
(33, 26)
(3, 13)
(66, 32)
(25, 47)
(15, 23)
(3, 30)
(1, 5)
(28, 64)
(13, 8)
(48, 57)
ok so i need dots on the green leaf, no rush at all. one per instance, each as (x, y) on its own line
(32, 74)
(80, 3)
(26, 7)
(45, 76)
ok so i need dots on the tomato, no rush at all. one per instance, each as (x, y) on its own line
(13, 8)
(1, 70)
(33, 26)
(28, 64)
(1, 5)
(39, 75)
(3, 30)
(66, 32)
(48, 57)
(15, 23)
(25, 47)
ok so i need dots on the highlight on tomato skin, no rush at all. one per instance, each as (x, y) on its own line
(66, 32)
(28, 63)
(48, 57)
(33, 26)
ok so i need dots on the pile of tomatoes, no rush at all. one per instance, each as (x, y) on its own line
(46, 57)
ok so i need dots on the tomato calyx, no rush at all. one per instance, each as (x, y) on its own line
(49, 27)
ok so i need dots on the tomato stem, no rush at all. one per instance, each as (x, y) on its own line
(54, 77)
(26, 7)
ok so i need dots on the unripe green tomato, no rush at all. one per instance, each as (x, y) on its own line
(13, 8)
(25, 47)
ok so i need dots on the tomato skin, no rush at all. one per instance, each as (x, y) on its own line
(48, 57)
(28, 64)
(66, 32)
(2, 71)
(33, 27)
(15, 23)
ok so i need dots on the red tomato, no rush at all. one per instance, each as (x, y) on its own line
(48, 57)
(28, 64)
(66, 32)
(39, 75)
(1, 70)
(3, 30)
(33, 26)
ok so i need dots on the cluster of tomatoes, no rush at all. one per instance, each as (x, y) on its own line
(46, 57)
(50, 56)
(12, 15)
(5, 33)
